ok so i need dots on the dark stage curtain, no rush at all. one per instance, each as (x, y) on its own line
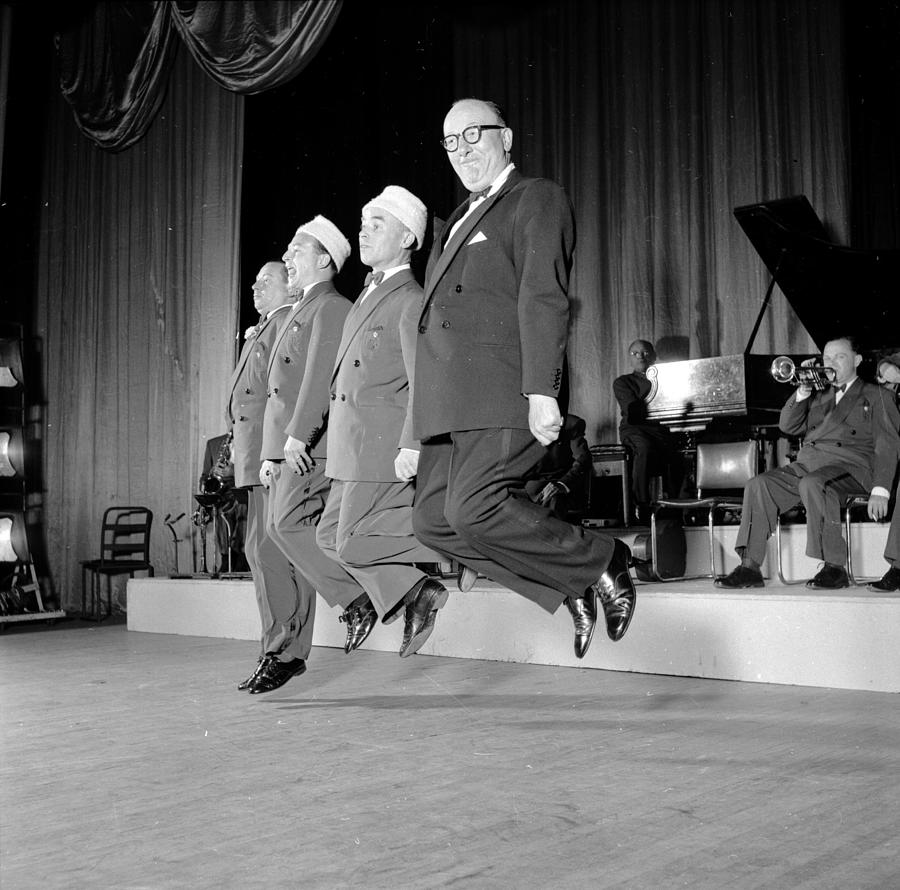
(659, 118)
(114, 67)
(137, 311)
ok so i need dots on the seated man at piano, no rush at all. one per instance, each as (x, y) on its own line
(850, 446)
(652, 445)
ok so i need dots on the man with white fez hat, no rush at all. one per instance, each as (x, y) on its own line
(293, 443)
(372, 455)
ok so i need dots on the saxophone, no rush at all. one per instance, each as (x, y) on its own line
(218, 477)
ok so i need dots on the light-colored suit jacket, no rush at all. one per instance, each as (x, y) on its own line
(299, 370)
(859, 433)
(372, 382)
(247, 397)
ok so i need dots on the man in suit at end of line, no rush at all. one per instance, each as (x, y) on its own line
(850, 447)
(372, 455)
(269, 567)
(489, 371)
(293, 446)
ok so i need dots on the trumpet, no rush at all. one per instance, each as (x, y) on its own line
(817, 377)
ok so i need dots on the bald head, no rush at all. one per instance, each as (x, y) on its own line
(270, 290)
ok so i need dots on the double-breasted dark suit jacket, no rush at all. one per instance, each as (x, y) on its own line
(247, 397)
(299, 370)
(859, 433)
(370, 386)
(495, 316)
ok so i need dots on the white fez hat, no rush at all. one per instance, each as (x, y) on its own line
(405, 206)
(330, 237)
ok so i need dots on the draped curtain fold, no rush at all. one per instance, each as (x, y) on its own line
(114, 67)
(659, 119)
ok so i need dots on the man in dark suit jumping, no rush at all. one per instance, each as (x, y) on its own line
(489, 369)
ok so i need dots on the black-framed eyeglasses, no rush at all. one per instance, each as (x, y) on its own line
(470, 134)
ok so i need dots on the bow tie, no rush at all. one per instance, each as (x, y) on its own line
(475, 196)
(840, 388)
(374, 278)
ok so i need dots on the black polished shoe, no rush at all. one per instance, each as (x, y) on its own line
(467, 578)
(829, 578)
(615, 590)
(421, 613)
(360, 616)
(583, 610)
(741, 577)
(889, 583)
(276, 673)
(260, 665)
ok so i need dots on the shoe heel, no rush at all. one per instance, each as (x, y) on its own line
(440, 599)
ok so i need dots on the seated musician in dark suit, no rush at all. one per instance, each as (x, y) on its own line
(889, 377)
(850, 447)
(652, 446)
(560, 479)
(232, 503)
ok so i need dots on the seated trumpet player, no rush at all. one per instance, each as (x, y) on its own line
(850, 447)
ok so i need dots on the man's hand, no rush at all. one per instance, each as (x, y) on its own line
(544, 419)
(268, 471)
(296, 456)
(878, 506)
(406, 464)
(548, 492)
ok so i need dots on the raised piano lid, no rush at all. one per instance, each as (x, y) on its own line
(833, 289)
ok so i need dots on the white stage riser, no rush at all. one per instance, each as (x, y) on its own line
(791, 635)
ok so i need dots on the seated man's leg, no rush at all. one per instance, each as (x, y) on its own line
(765, 496)
(822, 492)
(641, 446)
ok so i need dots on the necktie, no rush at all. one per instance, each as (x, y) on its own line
(374, 278)
(474, 196)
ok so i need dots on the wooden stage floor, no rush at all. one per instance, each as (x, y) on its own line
(129, 760)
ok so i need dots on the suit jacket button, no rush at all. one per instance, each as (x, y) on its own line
(248, 391)
(343, 398)
(422, 329)
(445, 324)
(275, 391)
(356, 363)
(333, 397)
(242, 418)
(287, 359)
(459, 288)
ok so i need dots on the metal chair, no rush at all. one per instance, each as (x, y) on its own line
(124, 550)
(851, 502)
(722, 468)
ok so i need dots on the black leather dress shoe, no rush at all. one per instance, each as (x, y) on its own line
(583, 610)
(829, 578)
(276, 673)
(421, 613)
(260, 665)
(467, 578)
(740, 578)
(889, 583)
(615, 590)
(360, 616)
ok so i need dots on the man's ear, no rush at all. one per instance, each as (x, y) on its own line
(408, 241)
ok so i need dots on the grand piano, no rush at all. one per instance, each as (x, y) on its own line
(832, 289)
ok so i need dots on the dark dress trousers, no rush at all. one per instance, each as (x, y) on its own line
(848, 448)
(271, 570)
(651, 444)
(493, 327)
(297, 405)
(367, 523)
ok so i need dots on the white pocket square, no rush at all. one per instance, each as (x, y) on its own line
(480, 236)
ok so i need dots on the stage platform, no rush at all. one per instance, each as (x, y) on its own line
(848, 639)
